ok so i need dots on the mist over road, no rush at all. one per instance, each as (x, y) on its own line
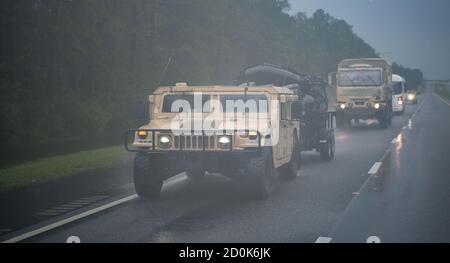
(334, 199)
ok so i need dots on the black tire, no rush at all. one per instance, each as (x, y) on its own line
(261, 172)
(148, 178)
(383, 120)
(290, 170)
(390, 116)
(328, 149)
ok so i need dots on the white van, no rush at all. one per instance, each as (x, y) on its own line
(398, 93)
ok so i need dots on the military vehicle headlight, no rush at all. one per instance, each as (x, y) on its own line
(411, 96)
(252, 135)
(142, 134)
(343, 106)
(377, 106)
(224, 141)
(164, 141)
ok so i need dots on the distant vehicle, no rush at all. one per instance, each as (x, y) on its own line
(206, 136)
(411, 96)
(364, 91)
(399, 94)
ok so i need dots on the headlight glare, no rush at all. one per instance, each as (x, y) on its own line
(164, 141)
(252, 135)
(224, 140)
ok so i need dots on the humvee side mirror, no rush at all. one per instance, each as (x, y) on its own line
(296, 110)
(143, 111)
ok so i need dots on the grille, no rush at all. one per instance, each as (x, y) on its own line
(194, 142)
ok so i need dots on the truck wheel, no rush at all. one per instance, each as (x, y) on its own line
(328, 149)
(290, 170)
(261, 173)
(147, 177)
(383, 120)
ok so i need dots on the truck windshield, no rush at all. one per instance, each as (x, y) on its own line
(397, 88)
(351, 78)
(184, 102)
(244, 103)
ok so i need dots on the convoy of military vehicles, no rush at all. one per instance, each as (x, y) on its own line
(257, 128)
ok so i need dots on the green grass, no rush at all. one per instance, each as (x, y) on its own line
(442, 91)
(52, 168)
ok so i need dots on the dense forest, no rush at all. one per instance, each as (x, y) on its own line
(71, 71)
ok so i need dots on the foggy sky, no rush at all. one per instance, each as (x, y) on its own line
(414, 33)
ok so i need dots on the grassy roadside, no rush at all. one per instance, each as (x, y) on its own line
(442, 91)
(52, 168)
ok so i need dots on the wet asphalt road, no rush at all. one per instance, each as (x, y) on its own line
(326, 199)
(412, 204)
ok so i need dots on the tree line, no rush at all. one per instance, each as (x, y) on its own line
(71, 71)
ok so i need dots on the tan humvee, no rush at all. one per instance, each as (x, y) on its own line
(241, 132)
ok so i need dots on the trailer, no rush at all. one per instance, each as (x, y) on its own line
(315, 97)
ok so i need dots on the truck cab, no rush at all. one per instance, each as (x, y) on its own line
(242, 132)
(364, 91)
(398, 94)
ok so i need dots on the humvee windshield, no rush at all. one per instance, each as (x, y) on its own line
(244, 103)
(175, 103)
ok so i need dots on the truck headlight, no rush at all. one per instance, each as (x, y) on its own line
(411, 96)
(377, 106)
(224, 141)
(164, 141)
(252, 135)
(142, 134)
(343, 106)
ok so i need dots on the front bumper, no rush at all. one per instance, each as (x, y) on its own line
(360, 112)
(204, 142)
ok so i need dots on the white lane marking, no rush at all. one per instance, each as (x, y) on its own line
(174, 180)
(374, 170)
(323, 240)
(69, 220)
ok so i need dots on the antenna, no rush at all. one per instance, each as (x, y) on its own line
(164, 72)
